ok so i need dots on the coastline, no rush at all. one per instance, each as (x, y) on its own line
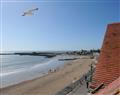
(53, 81)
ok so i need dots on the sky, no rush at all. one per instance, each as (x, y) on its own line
(57, 25)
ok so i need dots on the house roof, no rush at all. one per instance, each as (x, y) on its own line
(108, 67)
(112, 89)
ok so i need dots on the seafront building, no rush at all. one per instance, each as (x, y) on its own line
(106, 79)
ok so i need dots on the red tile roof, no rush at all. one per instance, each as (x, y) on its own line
(108, 67)
(112, 89)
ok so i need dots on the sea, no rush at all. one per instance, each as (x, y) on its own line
(15, 69)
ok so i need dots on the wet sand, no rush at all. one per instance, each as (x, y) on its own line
(53, 82)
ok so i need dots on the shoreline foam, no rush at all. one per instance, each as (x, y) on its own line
(51, 83)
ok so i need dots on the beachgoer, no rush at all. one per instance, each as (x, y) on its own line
(87, 84)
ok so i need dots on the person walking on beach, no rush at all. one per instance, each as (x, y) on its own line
(87, 82)
(85, 78)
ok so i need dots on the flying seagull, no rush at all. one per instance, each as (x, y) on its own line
(30, 12)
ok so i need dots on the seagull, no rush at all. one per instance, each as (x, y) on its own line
(30, 12)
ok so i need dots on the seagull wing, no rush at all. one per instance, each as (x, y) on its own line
(33, 10)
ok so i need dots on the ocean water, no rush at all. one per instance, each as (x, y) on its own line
(16, 69)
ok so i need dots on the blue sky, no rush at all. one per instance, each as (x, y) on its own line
(57, 25)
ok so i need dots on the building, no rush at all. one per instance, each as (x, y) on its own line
(107, 71)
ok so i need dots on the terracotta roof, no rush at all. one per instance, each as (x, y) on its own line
(108, 67)
(112, 89)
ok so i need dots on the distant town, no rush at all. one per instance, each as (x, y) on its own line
(50, 54)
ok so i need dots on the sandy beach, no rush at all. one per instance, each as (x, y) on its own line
(53, 82)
